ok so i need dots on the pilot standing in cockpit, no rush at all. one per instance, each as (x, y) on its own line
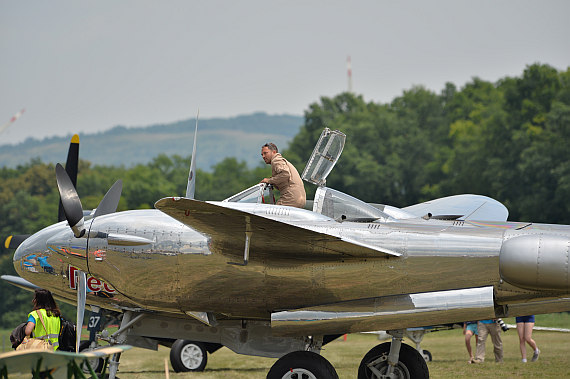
(284, 176)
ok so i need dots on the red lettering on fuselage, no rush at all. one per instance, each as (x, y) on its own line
(93, 284)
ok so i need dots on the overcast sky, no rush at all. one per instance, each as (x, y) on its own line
(86, 66)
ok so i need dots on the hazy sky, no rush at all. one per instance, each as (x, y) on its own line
(86, 66)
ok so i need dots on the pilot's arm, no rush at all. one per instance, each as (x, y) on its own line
(281, 176)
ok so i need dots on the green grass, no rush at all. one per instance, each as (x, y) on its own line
(447, 347)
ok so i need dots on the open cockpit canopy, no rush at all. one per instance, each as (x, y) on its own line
(325, 155)
(342, 207)
(328, 202)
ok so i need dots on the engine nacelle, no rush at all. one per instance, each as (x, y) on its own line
(536, 261)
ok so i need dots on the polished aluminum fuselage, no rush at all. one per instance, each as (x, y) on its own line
(147, 260)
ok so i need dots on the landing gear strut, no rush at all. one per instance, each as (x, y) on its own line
(119, 337)
(417, 336)
(393, 360)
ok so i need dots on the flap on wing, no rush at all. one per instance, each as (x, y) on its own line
(387, 312)
(270, 238)
(467, 207)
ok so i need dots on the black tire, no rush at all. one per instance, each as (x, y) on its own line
(96, 363)
(188, 355)
(302, 365)
(427, 355)
(411, 364)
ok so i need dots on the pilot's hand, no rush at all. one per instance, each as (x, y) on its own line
(264, 180)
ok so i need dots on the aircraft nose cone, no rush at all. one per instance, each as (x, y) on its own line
(19, 251)
(537, 261)
(25, 258)
(27, 255)
(27, 247)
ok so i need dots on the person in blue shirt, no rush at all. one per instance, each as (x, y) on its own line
(470, 329)
(524, 329)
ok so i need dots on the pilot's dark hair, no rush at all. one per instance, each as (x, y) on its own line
(271, 146)
(43, 299)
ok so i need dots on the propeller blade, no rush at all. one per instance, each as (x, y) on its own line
(81, 295)
(12, 242)
(192, 174)
(71, 167)
(70, 199)
(110, 201)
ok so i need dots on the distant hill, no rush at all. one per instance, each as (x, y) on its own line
(240, 137)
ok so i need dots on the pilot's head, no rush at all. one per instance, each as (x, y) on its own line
(268, 151)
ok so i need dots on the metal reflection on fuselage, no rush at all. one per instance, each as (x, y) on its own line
(155, 262)
(34, 261)
(146, 263)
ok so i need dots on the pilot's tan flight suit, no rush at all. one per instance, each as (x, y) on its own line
(285, 177)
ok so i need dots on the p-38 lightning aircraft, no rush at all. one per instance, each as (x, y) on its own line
(277, 281)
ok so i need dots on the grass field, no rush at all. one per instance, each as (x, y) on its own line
(447, 347)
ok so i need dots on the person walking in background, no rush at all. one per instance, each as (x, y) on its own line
(524, 329)
(486, 327)
(44, 321)
(470, 329)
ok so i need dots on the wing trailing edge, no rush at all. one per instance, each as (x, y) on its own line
(386, 312)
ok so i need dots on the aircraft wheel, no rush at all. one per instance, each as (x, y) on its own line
(302, 365)
(411, 364)
(427, 355)
(188, 355)
(96, 363)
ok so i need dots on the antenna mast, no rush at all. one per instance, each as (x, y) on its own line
(349, 73)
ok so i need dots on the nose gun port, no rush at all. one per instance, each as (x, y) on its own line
(536, 261)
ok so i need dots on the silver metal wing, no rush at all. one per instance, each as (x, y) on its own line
(270, 238)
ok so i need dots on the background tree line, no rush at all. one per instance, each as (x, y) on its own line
(507, 140)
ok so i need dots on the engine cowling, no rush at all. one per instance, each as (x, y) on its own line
(536, 261)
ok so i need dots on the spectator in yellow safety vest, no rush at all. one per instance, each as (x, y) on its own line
(44, 320)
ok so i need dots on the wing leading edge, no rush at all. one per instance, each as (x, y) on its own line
(270, 238)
